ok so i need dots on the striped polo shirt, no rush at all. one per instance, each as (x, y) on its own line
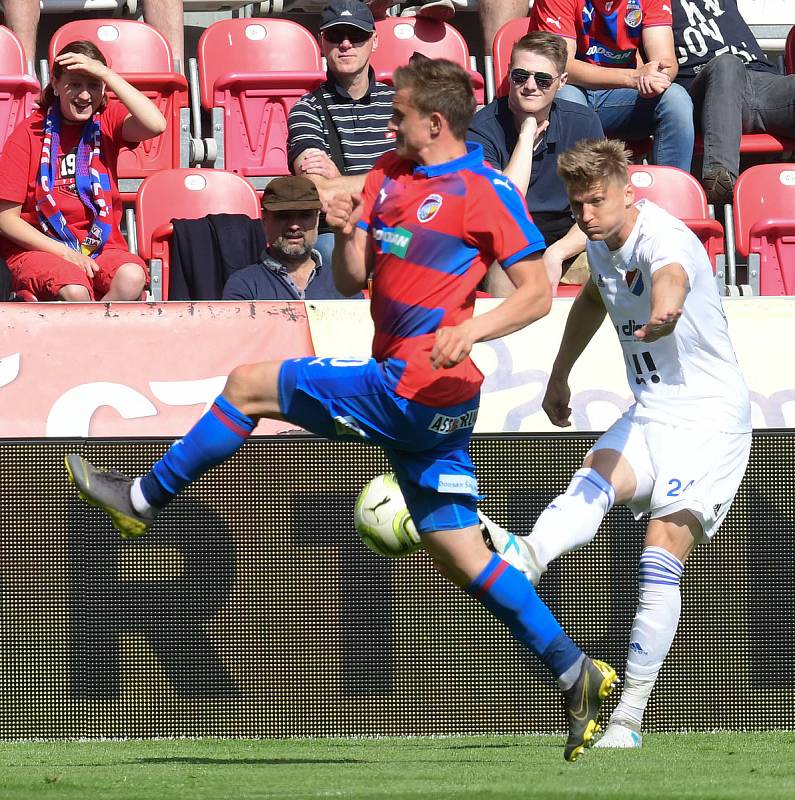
(361, 124)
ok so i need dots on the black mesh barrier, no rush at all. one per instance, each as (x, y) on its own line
(253, 610)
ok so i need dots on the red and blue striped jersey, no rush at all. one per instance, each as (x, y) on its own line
(608, 33)
(434, 231)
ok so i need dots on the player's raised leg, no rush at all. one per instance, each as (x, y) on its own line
(461, 556)
(251, 392)
(572, 519)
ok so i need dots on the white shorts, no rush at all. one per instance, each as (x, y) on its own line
(680, 468)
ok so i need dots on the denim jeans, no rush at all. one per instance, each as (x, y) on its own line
(730, 100)
(624, 114)
(325, 246)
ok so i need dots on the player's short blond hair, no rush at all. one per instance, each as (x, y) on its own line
(594, 162)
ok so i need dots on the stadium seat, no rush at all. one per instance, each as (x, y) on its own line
(789, 51)
(250, 74)
(141, 55)
(764, 227)
(506, 37)
(400, 37)
(680, 194)
(18, 91)
(184, 194)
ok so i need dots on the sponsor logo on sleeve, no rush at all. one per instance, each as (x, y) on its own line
(458, 484)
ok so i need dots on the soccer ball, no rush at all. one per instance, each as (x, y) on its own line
(382, 520)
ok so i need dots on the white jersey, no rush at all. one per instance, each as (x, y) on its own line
(690, 377)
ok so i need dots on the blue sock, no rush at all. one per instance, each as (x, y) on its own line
(510, 597)
(218, 435)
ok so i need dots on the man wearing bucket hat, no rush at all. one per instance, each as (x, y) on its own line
(290, 268)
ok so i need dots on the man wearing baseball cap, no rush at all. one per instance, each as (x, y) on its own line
(338, 132)
(290, 269)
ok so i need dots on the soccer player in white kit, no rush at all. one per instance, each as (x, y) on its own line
(680, 452)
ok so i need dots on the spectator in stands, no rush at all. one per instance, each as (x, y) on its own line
(739, 91)
(22, 17)
(290, 269)
(523, 134)
(432, 9)
(493, 13)
(338, 132)
(60, 210)
(634, 100)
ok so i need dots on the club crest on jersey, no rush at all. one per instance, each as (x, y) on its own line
(429, 207)
(635, 282)
(634, 15)
(394, 241)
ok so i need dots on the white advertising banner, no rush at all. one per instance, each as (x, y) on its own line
(517, 367)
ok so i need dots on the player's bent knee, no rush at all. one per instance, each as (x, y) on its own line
(254, 388)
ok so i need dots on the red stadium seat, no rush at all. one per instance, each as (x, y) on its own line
(141, 55)
(400, 37)
(789, 52)
(506, 37)
(18, 91)
(184, 194)
(680, 194)
(251, 73)
(764, 226)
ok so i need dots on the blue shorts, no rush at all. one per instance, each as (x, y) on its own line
(428, 448)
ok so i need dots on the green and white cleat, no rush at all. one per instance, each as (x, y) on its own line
(109, 491)
(583, 704)
(621, 735)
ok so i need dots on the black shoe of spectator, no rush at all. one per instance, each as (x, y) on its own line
(718, 185)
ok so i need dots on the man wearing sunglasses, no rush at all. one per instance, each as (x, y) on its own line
(338, 132)
(523, 134)
(622, 63)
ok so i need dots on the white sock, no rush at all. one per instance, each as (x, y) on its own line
(572, 519)
(656, 620)
(137, 498)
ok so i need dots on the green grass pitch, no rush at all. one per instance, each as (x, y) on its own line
(681, 766)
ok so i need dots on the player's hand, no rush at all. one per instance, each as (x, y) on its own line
(452, 346)
(556, 402)
(316, 162)
(343, 212)
(79, 61)
(84, 262)
(658, 326)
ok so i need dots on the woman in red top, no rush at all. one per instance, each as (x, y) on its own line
(60, 210)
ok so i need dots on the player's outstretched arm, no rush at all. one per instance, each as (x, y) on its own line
(669, 288)
(586, 316)
(531, 301)
(350, 261)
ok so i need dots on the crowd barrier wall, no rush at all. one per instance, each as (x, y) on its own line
(136, 369)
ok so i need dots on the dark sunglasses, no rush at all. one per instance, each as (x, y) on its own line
(544, 80)
(338, 34)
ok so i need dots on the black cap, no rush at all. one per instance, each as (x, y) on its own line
(347, 12)
(291, 193)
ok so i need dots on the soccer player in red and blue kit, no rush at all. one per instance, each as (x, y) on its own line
(431, 219)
